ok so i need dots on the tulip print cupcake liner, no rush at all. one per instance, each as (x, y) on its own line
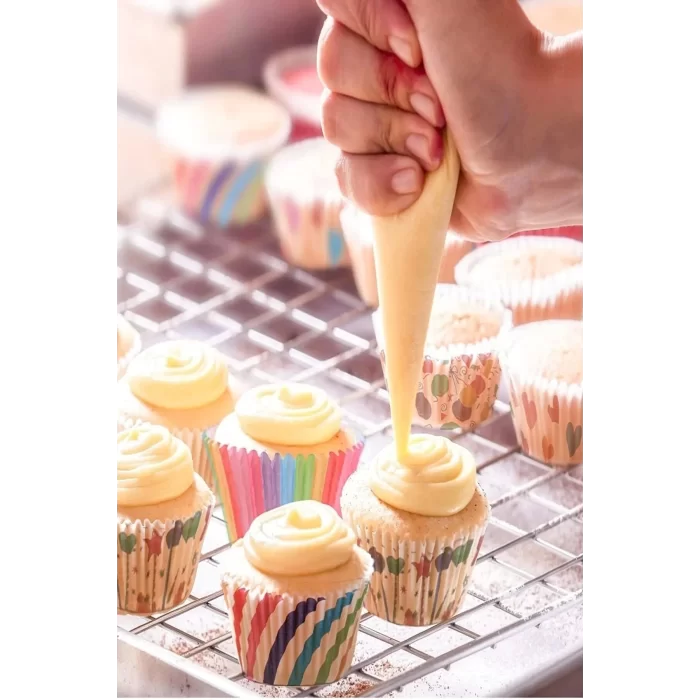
(250, 483)
(294, 640)
(418, 582)
(558, 296)
(458, 384)
(157, 561)
(547, 415)
(306, 203)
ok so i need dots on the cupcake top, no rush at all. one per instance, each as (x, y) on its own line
(435, 478)
(516, 266)
(126, 337)
(183, 383)
(298, 547)
(286, 418)
(306, 170)
(220, 122)
(548, 350)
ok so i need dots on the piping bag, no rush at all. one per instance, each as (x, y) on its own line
(408, 249)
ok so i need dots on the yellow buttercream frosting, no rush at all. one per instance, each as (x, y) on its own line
(288, 414)
(436, 477)
(178, 374)
(298, 539)
(153, 466)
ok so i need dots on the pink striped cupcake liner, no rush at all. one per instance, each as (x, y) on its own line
(249, 483)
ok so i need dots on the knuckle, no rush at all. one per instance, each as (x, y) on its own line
(330, 107)
(328, 58)
(389, 79)
(341, 175)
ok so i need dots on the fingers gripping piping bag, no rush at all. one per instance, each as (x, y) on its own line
(408, 250)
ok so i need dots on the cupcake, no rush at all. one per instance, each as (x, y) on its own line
(461, 369)
(357, 229)
(294, 588)
(283, 443)
(422, 521)
(183, 385)
(128, 344)
(163, 510)
(306, 201)
(219, 139)
(291, 77)
(537, 277)
(544, 362)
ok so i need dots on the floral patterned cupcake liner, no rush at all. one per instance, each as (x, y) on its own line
(294, 640)
(557, 296)
(306, 205)
(459, 383)
(418, 582)
(250, 483)
(547, 416)
(157, 561)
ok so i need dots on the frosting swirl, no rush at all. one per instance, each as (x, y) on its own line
(178, 374)
(288, 414)
(297, 539)
(436, 477)
(153, 466)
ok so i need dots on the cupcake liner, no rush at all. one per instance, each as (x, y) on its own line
(306, 203)
(547, 416)
(458, 383)
(304, 107)
(557, 296)
(196, 441)
(358, 238)
(249, 482)
(293, 640)
(157, 561)
(418, 582)
(123, 362)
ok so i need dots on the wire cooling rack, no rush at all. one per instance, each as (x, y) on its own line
(523, 613)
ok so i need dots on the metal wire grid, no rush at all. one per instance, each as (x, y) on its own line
(273, 321)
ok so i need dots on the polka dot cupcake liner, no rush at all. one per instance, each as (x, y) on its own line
(557, 296)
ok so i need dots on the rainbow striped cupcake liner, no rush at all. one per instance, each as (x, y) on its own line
(293, 640)
(249, 483)
(223, 194)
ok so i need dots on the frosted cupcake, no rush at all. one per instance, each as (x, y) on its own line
(163, 510)
(220, 139)
(283, 443)
(422, 522)
(306, 201)
(294, 588)
(183, 385)
(357, 229)
(461, 369)
(536, 277)
(544, 362)
(128, 344)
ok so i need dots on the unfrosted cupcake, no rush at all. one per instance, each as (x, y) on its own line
(220, 138)
(357, 229)
(422, 520)
(294, 588)
(306, 201)
(537, 277)
(128, 344)
(461, 369)
(183, 385)
(163, 510)
(283, 443)
(544, 362)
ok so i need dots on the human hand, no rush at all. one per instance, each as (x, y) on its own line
(510, 95)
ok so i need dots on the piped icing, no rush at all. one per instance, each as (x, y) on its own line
(153, 466)
(435, 477)
(178, 374)
(288, 414)
(297, 539)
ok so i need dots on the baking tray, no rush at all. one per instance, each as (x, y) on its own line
(521, 627)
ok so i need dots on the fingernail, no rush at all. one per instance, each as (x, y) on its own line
(418, 146)
(405, 181)
(423, 106)
(402, 49)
